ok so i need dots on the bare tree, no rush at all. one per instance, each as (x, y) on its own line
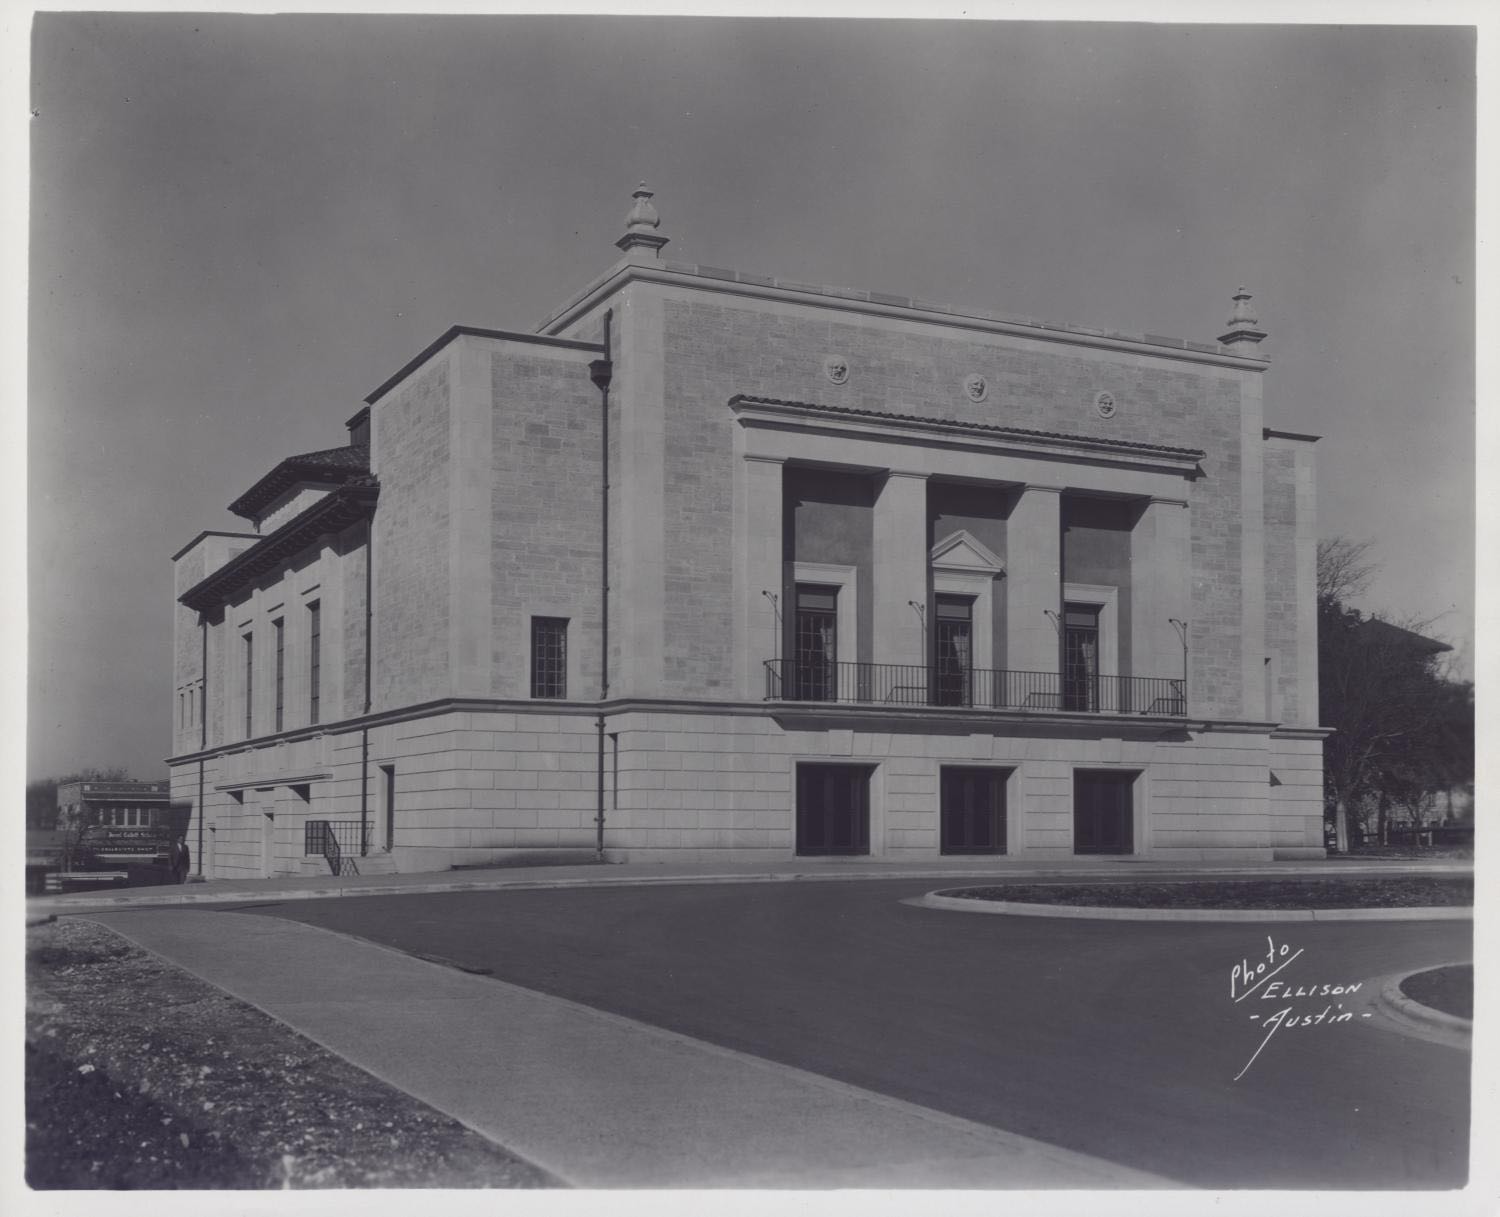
(1344, 569)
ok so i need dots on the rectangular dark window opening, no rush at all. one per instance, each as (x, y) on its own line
(249, 681)
(972, 810)
(314, 658)
(1103, 812)
(388, 781)
(549, 656)
(279, 626)
(833, 809)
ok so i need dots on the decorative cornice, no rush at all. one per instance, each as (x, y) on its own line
(277, 777)
(878, 304)
(1114, 725)
(346, 505)
(843, 418)
(459, 331)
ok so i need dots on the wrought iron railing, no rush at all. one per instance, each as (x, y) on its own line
(896, 684)
(338, 841)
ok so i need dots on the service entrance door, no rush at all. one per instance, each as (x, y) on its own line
(973, 811)
(833, 809)
(1103, 818)
(266, 802)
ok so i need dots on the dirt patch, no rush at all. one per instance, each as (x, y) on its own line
(1450, 989)
(139, 1075)
(1403, 891)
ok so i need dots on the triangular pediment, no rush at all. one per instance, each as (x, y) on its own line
(963, 551)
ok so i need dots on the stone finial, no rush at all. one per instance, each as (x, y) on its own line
(641, 240)
(1244, 332)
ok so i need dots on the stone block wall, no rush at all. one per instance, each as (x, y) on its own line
(413, 462)
(191, 566)
(1281, 579)
(714, 350)
(545, 554)
(473, 785)
(711, 786)
(1296, 811)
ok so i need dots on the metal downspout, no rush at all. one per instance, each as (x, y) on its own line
(601, 372)
(202, 734)
(364, 731)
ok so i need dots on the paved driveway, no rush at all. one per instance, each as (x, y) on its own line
(1116, 1039)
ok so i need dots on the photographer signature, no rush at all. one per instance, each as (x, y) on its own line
(1257, 980)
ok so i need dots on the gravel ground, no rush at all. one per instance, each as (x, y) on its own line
(1450, 990)
(139, 1075)
(1405, 891)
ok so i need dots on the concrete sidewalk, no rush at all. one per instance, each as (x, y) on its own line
(595, 1099)
(237, 891)
(241, 891)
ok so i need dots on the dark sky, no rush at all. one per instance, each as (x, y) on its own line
(242, 225)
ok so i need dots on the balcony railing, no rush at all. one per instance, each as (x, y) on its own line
(895, 684)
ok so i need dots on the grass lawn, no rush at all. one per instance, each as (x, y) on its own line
(1450, 990)
(1397, 891)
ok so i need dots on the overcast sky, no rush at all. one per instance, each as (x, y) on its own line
(241, 225)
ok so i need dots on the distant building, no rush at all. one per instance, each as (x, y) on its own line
(124, 804)
(883, 577)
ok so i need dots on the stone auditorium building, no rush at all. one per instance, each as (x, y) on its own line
(716, 564)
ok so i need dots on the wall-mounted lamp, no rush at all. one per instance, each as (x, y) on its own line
(1181, 627)
(776, 608)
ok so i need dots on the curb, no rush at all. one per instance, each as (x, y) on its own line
(1394, 1002)
(203, 894)
(1014, 908)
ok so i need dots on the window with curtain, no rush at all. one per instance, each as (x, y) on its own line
(953, 656)
(1080, 657)
(815, 664)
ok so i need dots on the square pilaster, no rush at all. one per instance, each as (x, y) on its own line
(900, 568)
(1034, 580)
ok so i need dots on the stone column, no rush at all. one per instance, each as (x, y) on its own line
(758, 568)
(1033, 582)
(1161, 563)
(900, 569)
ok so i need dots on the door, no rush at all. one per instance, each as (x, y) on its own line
(388, 794)
(973, 811)
(815, 658)
(1103, 817)
(953, 656)
(833, 809)
(267, 845)
(266, 801)
(1080, 657)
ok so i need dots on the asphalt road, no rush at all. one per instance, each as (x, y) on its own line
(1116, 1039)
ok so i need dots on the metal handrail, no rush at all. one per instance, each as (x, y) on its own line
(324, 837)
(894, 684)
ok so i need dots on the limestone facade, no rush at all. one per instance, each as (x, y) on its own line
(884, 577)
